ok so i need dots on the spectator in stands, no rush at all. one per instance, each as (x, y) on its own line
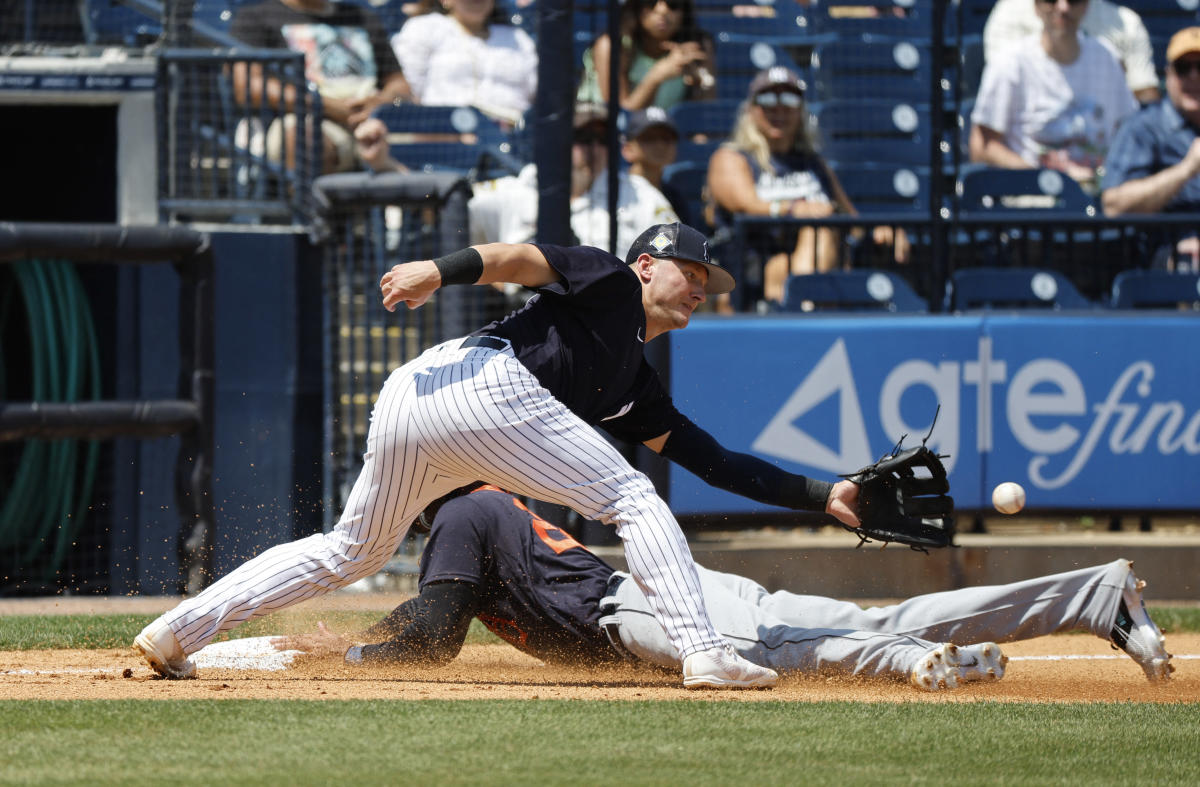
(1154, 161)
(650, 144)
(1052, 100)
(505, 209)
(665, 58)
(770, 167)
(469, 56)
(346, 55)
(1120, 27)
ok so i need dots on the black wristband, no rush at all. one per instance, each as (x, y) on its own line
(460, 267)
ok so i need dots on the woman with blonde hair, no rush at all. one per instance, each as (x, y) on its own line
(770, 167)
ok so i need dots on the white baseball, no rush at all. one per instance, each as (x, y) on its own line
(1008, 498)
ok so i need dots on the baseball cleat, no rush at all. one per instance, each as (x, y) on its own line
(981, 662)
(723, 668)
(1135, 633)
(159, 647)
(948, 665)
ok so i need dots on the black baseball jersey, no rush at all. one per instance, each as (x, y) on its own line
(536, 587)
(583, 336)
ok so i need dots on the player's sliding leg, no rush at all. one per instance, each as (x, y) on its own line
(764, 639)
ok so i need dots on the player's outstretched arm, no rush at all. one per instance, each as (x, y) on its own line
(692, 448)
(411, 283)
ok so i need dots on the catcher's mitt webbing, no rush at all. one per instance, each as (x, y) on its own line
(896, 504)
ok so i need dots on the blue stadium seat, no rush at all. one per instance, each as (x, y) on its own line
(739, 61)
(1011, 288)
(696, 152)
(892, 18)
(874, 188)
(111, 23)
(1164, 18)
(854, 290)
(787, 20)
(461, 139)
(974, 14)
(877, 131)
(688, 179)
(1155, 289)
(900, 70)
(709, 120)
(994, 190)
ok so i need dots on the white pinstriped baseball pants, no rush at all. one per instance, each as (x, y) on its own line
(452, 416)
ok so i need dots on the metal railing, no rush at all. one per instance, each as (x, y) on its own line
(366, 224)
(225, 155)
(1088, 250)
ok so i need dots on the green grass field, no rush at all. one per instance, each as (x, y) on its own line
(570, 742)
(692, 742)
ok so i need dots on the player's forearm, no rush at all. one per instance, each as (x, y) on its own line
(432, 629)
(694, 449)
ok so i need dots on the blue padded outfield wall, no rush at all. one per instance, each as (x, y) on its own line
(1086, 412)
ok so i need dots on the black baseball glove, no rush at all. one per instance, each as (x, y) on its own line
(902, 498)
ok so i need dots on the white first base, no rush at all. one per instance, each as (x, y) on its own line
(251, 653)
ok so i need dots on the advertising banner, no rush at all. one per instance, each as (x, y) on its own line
(1085, 412)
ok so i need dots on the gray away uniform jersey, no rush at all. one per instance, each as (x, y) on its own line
(549, 596)
(514, 407)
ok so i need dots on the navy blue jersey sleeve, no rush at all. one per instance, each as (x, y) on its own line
(652, 412)
(588, 273)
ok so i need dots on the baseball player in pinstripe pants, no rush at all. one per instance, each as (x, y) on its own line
(534, 586)
(517, 404)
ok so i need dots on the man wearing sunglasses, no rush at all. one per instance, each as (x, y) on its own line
(1155, 158)
(1054, 99)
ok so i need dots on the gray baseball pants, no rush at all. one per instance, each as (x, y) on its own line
(813, 634)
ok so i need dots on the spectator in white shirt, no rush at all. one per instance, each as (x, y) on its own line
(468, 56)
(1119, 27)
(1052, 100)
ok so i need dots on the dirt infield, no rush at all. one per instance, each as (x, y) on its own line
(1087, 670)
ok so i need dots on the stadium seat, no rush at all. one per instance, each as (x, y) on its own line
(688, 179)
(875, 188)
(461, 139)
(112, 23)
(885, 18)
(1155, 289)
(876, 131)
(854, 290)
(739, 61)
(705, 120)
(854, 69)
(1011, 288)
(783, 19)
(974, 14)
(997, 190)
(1164, 18)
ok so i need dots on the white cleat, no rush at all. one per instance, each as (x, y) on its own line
(723, 668)
(947, 666)
(981, 662)
(1136, 634)
(159, 647)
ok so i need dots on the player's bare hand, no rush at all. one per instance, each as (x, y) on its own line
(843, 503)
(322, 643)
(410, 283)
